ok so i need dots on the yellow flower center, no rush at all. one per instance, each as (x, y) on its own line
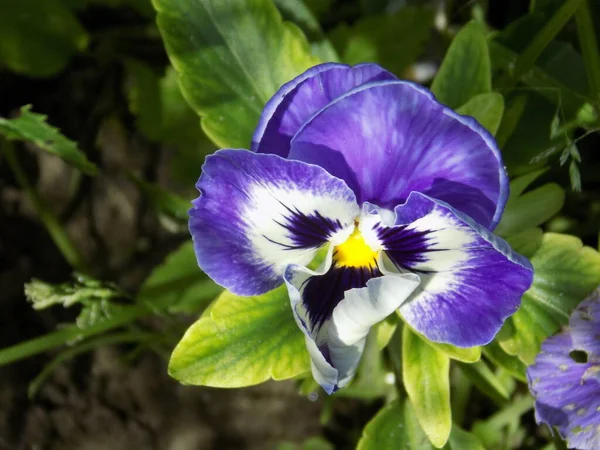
(355, 252)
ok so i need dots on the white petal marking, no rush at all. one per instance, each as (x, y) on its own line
(266, 210)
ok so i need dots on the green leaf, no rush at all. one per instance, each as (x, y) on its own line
(231, 57)
(395, 427)
(369, 381)
(556, 90)
(531, 209)
(485, 380)
(92, 295)
(500, 358)
(513, 112)
(575, 176)
(518, 224)
(317, 443)
(298, 12)
(384, 330)
(242, 341)
(518, 185)
(465, 71)
(464, 354)
(143, 94)
(425, 372)
(164, 116)
(163, 201)
(566, 272)
(487, 109)
(313, 443)
(37, 37)
(526, 60)
(178, 285)
(503, 426)
(96, 312)
(393, 40)
(42, 295)
(32, 127)
(527, 242)
(558, 74)
(589, 47)
(462, 440)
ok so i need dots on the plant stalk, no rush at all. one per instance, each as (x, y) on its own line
(56, 230)
(589, 48)
(526, 60)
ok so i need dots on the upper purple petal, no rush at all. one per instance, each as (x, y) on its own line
(257, 213)
(296, 101)
(387, 139)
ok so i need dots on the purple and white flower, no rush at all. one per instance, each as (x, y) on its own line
(565, 379)
(401, 191)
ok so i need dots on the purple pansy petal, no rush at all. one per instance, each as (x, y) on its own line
(585, 327)
(257, 213)
(471, 280)
(387, 139)
(296, 101)
(567, 392)
(336, 342)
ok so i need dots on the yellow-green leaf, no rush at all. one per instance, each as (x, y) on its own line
(242, 341)
(425, 372)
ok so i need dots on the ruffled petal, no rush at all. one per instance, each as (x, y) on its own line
(471, 280)
(566, 390)
(258, 213)
(335, 308)
(296, 101)
(387, 139)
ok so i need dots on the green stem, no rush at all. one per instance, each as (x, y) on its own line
(112, 339)
(532, 6)
(57, 232)
(394, 351)
(70, 334)
(461, 395)
(125, 316)
(515, 409)
(526, 61)
(589, 48)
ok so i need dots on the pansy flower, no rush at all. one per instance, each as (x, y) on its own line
(401, 193)
(565, 379)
